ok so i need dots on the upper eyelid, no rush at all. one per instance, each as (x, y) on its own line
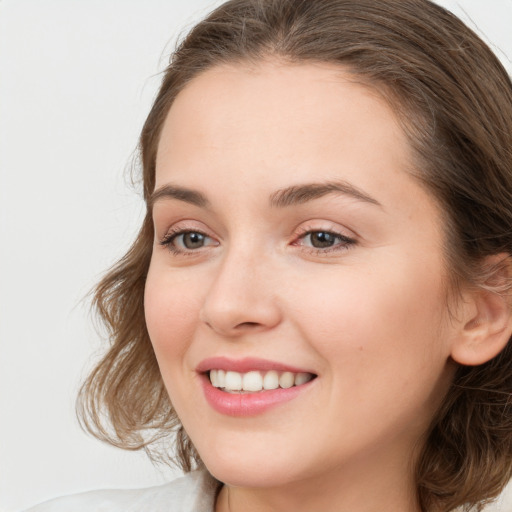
(190, 225)
(330, 231)
(300, 230)
(182, 225)
(170, 233)
(168, 243)
(344, 239)
(327, 226)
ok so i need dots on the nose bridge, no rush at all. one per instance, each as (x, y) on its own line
(240, 297)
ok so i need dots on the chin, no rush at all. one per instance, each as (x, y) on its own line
(243, 474)
(250, 465)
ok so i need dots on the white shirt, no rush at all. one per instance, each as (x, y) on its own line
(194, 492)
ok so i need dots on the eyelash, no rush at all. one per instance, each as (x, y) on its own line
(168, 241)
(344, 243)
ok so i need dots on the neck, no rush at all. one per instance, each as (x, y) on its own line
(362, 488)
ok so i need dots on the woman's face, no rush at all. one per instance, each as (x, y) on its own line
(292, 246)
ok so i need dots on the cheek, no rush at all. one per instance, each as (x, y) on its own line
(384, 356)
(172, 313)
(377, 323)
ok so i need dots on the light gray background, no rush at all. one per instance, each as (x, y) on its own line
(76, 81)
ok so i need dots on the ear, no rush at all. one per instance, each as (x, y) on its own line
(485, 314)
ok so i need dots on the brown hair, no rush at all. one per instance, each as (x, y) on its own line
(454, 100)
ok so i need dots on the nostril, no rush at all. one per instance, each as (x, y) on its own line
(247, 324)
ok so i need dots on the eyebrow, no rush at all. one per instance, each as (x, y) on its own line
(299, 194)
(289, 196)
(181, 194)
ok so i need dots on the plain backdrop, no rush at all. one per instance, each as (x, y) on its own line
(76, 81)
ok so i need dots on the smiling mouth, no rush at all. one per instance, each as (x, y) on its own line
(256, 381)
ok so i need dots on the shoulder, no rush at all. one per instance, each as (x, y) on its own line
(194, 492)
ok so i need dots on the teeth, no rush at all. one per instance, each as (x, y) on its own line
(302, 378)
(255, 381)
(233, 381)
(287, 380)
(271, 380)
(252, 381)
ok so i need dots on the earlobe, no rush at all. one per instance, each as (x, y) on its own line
(486, 326)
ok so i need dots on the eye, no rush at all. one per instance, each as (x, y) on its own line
(190, 240)
(322, 241)
(185, 241)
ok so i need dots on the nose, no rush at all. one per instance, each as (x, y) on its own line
(242, 297)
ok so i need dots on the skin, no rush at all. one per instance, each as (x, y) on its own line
(368, 317)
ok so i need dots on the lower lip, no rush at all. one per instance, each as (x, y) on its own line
(248, 404)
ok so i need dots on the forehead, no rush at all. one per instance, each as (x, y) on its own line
(280, 122)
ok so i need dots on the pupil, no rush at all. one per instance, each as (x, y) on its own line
(322, 239)
(193, 240)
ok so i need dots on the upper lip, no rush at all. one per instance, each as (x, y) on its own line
(245, 365)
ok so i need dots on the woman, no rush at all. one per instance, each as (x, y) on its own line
(317, 304)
